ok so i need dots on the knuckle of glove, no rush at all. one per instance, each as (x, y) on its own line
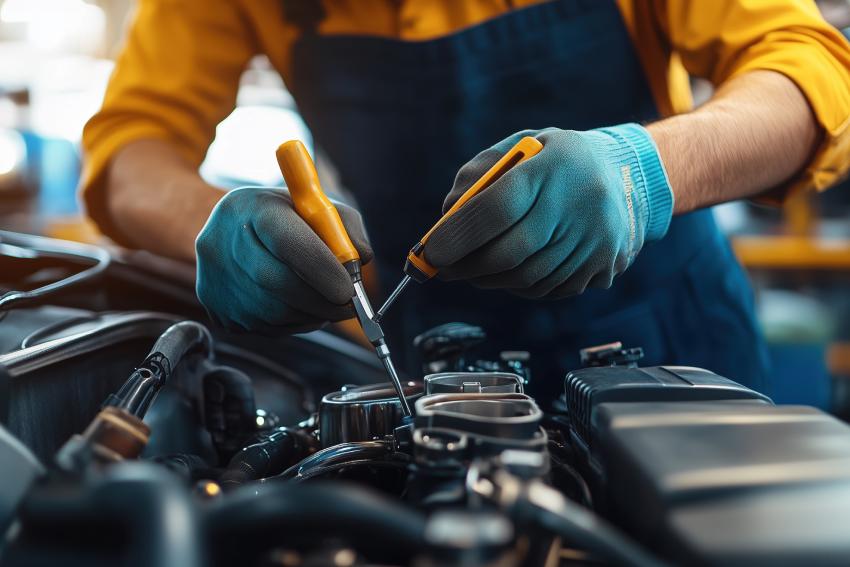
(531, 286)
(205, 244)
(230, 205)
(602, 280)
(225, 219)
(526, 277)
(275, 319)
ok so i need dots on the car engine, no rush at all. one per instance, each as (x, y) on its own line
(134, 432)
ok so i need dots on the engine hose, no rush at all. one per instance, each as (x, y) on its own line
(549, 509)
(260, 460)
(118, 432)
(175, 342)
(192, 467)
(337, 457)
(28, 246)
(373, 522)
(575, 476)
(139, 391)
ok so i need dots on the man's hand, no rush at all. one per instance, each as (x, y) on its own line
(574, 215)
(262, 269)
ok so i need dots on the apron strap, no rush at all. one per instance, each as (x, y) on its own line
(306, 14)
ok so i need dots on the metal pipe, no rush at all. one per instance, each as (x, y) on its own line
(28, 246)
(336, 457)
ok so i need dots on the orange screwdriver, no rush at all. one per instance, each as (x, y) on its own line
(416, 268)
(318, 212)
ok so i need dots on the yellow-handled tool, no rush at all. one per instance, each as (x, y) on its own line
(416, 268)
(319, 213)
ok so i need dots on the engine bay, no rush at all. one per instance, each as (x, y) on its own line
(134, 432)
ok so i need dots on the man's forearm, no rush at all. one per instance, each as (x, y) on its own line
(158, 200)
(756, 133)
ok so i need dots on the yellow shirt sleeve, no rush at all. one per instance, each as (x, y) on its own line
(722, 39)
(178, 74)
(175, 80)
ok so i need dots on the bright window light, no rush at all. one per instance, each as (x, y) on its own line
(13, 151)
(55, 24)
(33, 10)
(244, 146)
(8, 157)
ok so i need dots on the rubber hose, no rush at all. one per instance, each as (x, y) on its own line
(139, 391)
(192, 467)
(175, 342)
(258, 461)
(383, 527)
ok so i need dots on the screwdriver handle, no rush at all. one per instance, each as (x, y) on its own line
(310, 202)
(526, 148)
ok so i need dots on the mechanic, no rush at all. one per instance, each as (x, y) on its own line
(402, 95)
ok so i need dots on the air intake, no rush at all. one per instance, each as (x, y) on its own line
(587, 388)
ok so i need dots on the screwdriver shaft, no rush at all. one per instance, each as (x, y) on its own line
(313, 206)
(392, 298)
(384, 355)
(375, 335)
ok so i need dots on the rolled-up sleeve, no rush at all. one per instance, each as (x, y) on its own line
(722, 39)
(175, 79)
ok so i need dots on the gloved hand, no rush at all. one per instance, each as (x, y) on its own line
(262, 269)
(574, 215)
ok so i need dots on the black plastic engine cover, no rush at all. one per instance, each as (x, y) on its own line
(589, 387)
(728, 483)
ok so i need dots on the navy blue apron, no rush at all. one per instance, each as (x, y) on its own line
(399, 119)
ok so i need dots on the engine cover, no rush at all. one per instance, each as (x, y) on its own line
(729, 483)
(589, 387)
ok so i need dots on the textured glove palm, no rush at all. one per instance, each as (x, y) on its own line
(573, 216)
(262, 269)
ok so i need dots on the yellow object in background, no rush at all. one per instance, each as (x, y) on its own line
(72, 227)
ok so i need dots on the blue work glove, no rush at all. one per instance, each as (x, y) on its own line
(574, 215)
(262, 269)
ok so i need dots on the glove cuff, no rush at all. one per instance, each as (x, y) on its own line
(659, 195)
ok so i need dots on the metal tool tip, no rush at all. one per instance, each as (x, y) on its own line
(392, 298)
(388, 365)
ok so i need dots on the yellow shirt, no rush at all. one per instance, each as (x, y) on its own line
(178, 73)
